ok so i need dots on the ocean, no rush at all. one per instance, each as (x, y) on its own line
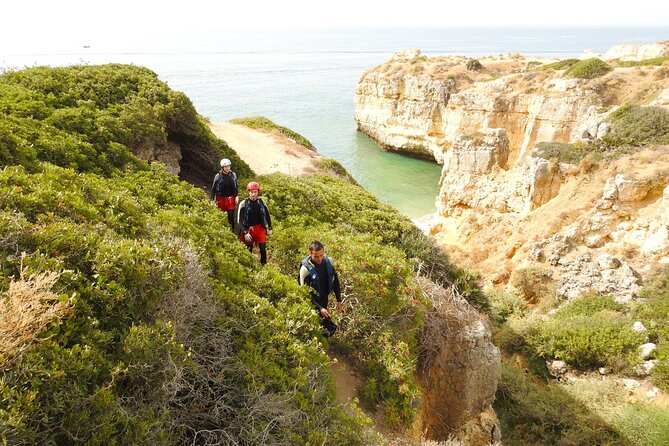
(305, 79)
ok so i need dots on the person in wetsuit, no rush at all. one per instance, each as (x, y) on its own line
(224, 190)
(254, 221)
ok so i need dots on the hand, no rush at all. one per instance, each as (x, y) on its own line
(248, 237)
(236, 200)
(340, 308)
(269, 232)
(325, 312)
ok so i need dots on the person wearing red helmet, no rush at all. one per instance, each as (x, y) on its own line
(224, 190)
(255, 221)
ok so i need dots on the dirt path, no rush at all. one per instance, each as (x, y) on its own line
(267, 152)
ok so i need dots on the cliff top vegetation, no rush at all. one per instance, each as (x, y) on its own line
(154, 324)
(643, 80)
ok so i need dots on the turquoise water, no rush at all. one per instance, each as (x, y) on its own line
(305, 80)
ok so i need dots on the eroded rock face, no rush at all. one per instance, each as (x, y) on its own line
(459, 368)
(169, 155)
(475, 176)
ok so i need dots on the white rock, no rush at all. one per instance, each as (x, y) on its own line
(646, 350)
(595, 240)
(652, 393)
(645, 367)
(630, 191)
(556, 368)
(607, 261)
(662, 99)
(604, 370)
(635, 52)
(603, 129)
(630, 384)
(639, 327)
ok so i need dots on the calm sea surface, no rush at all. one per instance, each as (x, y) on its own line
(305, 80)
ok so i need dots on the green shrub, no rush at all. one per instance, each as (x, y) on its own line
(505, 305)
(589, 68)
(92, 119)
(260, 122)
(332, 166)
(653, 312)
(644, 424)
(560, 64)
(473, 65)
(587, 334)
(175, 334)
(656, 61)
(637, 126)
(563, 152)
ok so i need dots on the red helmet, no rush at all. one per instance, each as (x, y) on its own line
(253, 186)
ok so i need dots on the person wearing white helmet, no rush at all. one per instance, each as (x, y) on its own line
(224, 190)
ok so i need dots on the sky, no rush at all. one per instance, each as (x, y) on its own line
(37, 20)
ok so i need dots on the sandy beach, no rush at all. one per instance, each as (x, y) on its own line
(267, 152)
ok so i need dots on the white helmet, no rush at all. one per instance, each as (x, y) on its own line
(225, 162)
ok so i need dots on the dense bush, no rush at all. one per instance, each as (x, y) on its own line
(590, 332)
(473, 65)
(638, 126)
(657, 61)
(86, 117)
(562, 152)
(169, 331)
(589, 68)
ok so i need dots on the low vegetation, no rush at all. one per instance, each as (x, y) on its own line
(654, 314)
(587, 333)
(149, 323)
(632, 127)
(564, 64)
(262, 123)
(635, 125)
(655, 61)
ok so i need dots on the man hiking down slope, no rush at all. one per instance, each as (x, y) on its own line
(224, 190)
(318, 272)
(255, 221)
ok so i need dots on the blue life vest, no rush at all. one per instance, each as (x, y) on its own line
(314, 280)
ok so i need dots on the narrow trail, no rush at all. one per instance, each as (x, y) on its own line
(267, 153)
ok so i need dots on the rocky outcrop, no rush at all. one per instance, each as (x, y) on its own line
(475, 176)
(592, 237)
(168, 154)
(637, 52)
(459, 368)
(404, 114)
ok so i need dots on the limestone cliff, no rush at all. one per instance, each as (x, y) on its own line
(419, 105)
(501, 206)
